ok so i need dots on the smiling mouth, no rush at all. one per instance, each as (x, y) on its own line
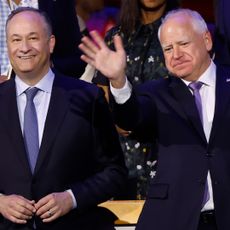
(26, 57)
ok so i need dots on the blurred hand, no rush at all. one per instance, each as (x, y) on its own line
(53, 206)
(16, 208)
(111, 63)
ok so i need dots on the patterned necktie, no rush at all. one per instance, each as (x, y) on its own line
(31, 128)
(195, 87)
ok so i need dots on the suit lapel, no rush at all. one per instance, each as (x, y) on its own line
(10, 119)
(222, 98)
(187, 104)
(55, 116)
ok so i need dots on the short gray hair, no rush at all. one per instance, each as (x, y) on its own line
(197, 21)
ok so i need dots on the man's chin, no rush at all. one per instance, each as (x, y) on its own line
(179, 73)
(181, 70)
(23, 72)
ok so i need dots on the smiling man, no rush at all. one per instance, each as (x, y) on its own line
(66, 55)
(60, 154)
(29, 46)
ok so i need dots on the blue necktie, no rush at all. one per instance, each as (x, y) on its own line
(195, 87)
(31, 128)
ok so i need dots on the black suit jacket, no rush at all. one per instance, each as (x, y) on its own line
(79, 151)
(66, 56)
(222, 32)
(165, 111)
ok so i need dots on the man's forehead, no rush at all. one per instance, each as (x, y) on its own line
(27, 16)
(175, 26)
(24, 20)
(177, 20)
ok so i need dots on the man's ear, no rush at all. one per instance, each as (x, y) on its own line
(52, 42)
(208, 40)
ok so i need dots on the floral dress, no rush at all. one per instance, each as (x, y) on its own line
(145, 62)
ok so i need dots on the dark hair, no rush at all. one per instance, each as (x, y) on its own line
(131, 13)
(31, 9)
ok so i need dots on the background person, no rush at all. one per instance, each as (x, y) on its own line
(222, 32)
(139, 23)
(84, 9)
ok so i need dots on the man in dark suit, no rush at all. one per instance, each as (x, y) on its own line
(66, 56)
(78, 162)
(188, 116)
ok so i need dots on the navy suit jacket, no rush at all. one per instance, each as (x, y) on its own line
(66, 56)
(222, 32)
(165, 111)
(79, 151)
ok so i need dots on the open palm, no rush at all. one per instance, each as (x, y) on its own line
(110, 63)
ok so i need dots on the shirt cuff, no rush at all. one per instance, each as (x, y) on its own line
(73, 198)
(123, 94)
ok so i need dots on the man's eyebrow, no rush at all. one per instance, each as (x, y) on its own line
(31, 33)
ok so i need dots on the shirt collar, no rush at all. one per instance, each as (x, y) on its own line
(45, 84)
(208, 77)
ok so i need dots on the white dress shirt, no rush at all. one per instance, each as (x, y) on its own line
(41, 102)
(208, 99)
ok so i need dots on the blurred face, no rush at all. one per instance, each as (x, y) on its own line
(185, 49)
(29, 45)
(152, 4)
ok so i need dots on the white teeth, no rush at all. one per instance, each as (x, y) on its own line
(25, 57)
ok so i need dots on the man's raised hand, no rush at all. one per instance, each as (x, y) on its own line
(110, 63)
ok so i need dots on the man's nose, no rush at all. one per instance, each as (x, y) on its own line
(177, 53)
(25, 46)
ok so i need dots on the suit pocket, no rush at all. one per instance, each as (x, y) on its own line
(158, 191)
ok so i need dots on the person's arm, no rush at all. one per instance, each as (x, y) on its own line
(109, 166)
(129, 112)
(107, 173)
